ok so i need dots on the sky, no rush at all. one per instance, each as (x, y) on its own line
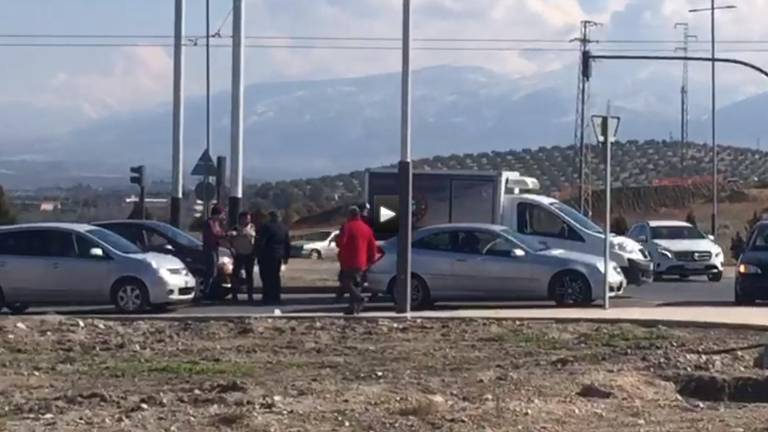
(97, 82)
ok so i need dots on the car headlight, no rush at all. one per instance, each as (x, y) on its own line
(718, 253)
(749, 269)
(621, 247)
(665, 253)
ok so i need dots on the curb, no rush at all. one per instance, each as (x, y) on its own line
(644, 322)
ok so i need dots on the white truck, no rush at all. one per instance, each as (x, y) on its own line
(498, 198)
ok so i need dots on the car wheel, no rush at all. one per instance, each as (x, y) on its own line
(130, 296)
(315, 254)
(17, 308)
(570, 288)
(421, 297)
(715, 277)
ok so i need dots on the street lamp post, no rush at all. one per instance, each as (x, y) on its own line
(712, 9)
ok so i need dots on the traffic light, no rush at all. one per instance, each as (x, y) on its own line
(138, 175)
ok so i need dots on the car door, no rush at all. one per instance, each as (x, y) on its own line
(21, 266)
(541, 225)
(60, 280)
(433, 258)
(93, 268)
(513, 274)
(486, 275)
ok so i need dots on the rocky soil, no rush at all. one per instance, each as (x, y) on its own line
(65, 374)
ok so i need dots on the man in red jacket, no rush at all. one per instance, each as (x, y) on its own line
(357, 251)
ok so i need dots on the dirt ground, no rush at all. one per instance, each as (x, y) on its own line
(63, 374)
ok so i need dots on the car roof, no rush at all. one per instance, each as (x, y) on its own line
(129, 221)
(668, 223)
(80, 227)
(463, 226)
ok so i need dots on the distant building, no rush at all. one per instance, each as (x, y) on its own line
(50, 206)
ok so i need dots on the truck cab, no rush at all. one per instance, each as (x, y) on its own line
(554, 224)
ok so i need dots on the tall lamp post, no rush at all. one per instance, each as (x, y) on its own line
(712, 9)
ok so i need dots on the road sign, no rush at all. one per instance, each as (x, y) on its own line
(205, 191)
(205, 166)
(599, 127)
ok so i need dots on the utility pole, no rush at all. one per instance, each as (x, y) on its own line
(177, 158)
(405, 174)
(236, 147)
(582, 92)
(684, 117)
(207, 203)
(712, 9)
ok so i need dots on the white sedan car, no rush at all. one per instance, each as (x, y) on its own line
(76, 264)
(477, 262)
(679, 249)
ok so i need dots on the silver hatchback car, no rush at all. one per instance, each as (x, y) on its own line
(77, 264)
(478, 262)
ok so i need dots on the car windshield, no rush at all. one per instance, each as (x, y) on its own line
(114, 241)
(177, 235)
(759, 241)
(522, 241)
(577, 218)
(676, 233)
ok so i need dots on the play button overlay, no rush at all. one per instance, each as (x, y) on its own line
(385, 214)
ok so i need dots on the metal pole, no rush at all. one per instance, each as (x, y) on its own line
(236, 151)
(178, 114)
(405, 174)
(207, 203)
(714, 136)
(608, 140)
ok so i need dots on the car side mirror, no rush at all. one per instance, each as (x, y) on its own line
(642, 239)
(517, 253)
(711, 237)
(96, 252)
(168, 249)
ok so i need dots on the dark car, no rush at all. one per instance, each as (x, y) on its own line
(752, 271)
(153, 236)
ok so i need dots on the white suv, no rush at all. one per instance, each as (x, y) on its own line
(679, 249)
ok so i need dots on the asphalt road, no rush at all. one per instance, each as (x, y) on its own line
(672, 292)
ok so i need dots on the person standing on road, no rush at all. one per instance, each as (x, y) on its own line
(213, 234)
(273, 246)
(365, 217)
(243, 237)
(357, 251)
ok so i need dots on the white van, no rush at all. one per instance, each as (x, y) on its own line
(556, 225)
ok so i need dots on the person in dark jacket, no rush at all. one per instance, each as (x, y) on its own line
(357, 252)
(213, 235)
(273, 246)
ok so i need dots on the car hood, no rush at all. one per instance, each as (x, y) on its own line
(686, 245)
(161, 260)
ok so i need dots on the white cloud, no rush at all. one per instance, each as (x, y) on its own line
(138, 76)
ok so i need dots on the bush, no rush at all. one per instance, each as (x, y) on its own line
(7, 217)
(691, 218)
(619, 225)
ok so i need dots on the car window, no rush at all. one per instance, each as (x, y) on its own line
(57, 243)
(441, 241)
(130, 232)
(759, 239)
(676, 233)
(474, 242)
(84, 246)
(634, 233)
(114, 241)
(21, 243)
(500, 247)
(537, 220)
(155, 240)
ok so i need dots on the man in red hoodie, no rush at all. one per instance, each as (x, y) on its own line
(357, 251)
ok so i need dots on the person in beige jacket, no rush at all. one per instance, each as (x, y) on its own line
(242, 241)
